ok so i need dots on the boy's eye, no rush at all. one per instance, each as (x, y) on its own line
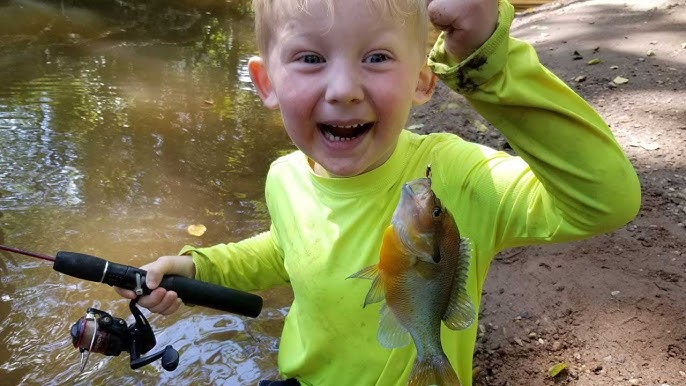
(376, 58)
(311, 59)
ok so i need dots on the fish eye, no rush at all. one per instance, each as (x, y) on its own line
(437, 211)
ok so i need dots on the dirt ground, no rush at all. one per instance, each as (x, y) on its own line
(613, 308)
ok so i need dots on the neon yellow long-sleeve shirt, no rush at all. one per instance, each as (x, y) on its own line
(570, 181)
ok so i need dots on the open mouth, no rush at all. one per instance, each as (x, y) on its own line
(337, 133)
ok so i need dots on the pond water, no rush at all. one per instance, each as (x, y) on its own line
(121, 124)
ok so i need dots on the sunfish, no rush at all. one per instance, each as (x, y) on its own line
(421, 274)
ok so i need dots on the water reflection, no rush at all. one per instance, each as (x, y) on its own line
(120, 125)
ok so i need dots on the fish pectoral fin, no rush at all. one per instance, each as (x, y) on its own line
(376, 292)
(460, 313)
(370, 273)
(391, 333)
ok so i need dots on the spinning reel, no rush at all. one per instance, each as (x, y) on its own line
(102, 333)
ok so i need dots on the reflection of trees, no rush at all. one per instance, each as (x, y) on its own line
(135, 118)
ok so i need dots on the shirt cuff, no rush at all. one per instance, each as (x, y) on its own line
(467, 75)
(194, 253)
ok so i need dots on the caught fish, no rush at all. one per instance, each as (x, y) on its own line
(421, 274)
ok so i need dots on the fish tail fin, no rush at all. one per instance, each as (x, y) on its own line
(433, 370)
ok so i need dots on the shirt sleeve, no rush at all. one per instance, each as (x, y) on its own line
(574, 181)
(255, 263)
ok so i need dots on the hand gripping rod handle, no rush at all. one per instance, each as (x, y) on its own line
(191, 291)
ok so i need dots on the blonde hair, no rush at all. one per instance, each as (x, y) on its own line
(271, 13)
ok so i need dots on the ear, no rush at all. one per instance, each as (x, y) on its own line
(425, 86)
(263, 85)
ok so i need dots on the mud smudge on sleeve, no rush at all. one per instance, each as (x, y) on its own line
(462, 79)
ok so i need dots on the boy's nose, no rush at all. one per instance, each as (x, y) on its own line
(344, 86)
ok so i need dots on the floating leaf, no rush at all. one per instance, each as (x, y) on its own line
(620, 80)
(556, 369)
(196, 230)
(594, 61)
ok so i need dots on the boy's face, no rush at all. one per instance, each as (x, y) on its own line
(344, 85)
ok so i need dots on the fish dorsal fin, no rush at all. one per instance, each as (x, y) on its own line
(376, 292)
(391, 333)
(460, 313)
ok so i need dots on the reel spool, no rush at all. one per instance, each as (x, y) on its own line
(100, 332)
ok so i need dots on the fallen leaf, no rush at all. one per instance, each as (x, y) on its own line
(650, 146)
(196, 230)
(480, 127)
(620, 80)
(594, 61)
(556, 369)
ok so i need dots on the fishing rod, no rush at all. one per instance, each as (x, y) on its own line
(102, 333)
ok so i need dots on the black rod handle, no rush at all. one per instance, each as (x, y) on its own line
(191, 291)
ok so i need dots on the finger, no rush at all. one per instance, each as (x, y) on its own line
(156, 271)
(168, 305)
(153, 299)
(444, 14)
(125, 293)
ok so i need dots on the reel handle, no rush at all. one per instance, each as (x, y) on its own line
(191, 291)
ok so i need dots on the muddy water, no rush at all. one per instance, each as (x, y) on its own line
(119, 127)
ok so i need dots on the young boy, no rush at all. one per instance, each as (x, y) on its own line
(344, 76)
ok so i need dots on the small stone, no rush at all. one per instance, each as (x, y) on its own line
(614, 293)
(633, 381)
(556, 346)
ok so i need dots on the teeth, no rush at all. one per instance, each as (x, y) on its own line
(331, 137)
(347, 126)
